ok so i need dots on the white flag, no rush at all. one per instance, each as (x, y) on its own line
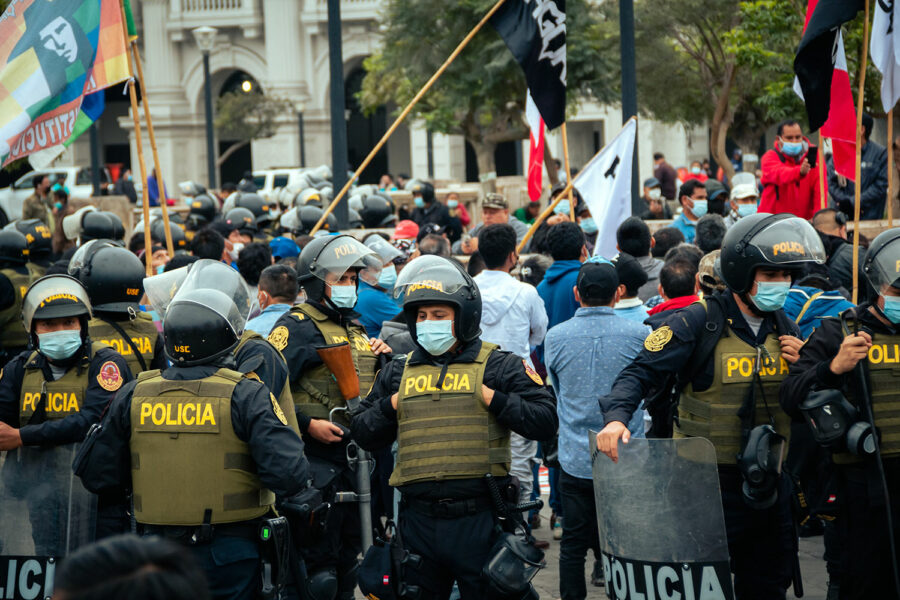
(605, 185)
(884, 47)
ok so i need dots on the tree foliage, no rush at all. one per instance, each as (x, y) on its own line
(245, 117)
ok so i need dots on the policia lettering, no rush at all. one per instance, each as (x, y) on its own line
(142, 334)
(58, 399)
(12, 330)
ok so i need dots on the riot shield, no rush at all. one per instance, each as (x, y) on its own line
(660, 519)
(46, 514)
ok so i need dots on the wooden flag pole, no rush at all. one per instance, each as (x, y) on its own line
(547, 211)
(148, 243)
(823, 201)
(160, 182)
(406, 111)
(890, 168)
(859, 115)
(565, 143)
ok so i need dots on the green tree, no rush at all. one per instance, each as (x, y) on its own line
(481, 96)
(246, 117)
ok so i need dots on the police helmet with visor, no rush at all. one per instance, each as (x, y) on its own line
(882, 264)
(53, 297)
(38, 237)
(324, 260)
(112, 275)
(13, 247)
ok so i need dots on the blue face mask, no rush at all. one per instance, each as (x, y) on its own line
(745, 210)
(388, 277)
(588, 225)
(435, 337)
(419, 202)
(343, 296)
(792, 148)
(562, 208)
(452, 203)
(60, 345)
(770, 295)
(892, 308)
(700, 208)
(695, 170)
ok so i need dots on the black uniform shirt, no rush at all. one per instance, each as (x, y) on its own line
(651, 368)
(519, 404)
(276, 449)
(261, 357)
(71, 428)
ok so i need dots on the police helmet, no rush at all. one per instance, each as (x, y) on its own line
(118, 225)
(158, 234)
(882, 264)
(38, 237)
(256, 205)
(207, 315)
(354, 219)
(55, 296)
(434, 279)
(310, 196)
(202, 211)
(113, 276)
(377, 211)
(325, 260)
(780, 241)
(243, 220)
(424, 189)
(13, 247)
(97, 225)
(301, 219)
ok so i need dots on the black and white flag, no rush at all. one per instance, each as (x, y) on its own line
(535, 32)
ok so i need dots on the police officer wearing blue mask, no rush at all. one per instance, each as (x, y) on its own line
(450, 405)
(867, 334)
(726, 355)
(329, 270)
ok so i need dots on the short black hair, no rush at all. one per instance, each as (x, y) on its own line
(534, 268)
(566, 241)
(136, 243)
(631, 274)
(633, 237)
(685, 252)
(476, 263)
(251, 261)
(786, 123)
(139, 568)
(180, 259)
(288, 261)
(868, 122)
(208, 243)
(687, 188)
(710, 233)
(658, 155)
(678, 278)
(496, 243)
(280, 282)
(666, 238)
(37, 180)
(434, 244)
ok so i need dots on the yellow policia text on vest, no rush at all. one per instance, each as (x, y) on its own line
(444, 429)
(12, 330)
(61, 398)
(141, 330)
(713, 412)
(185, 456)
(285, 400)
(316, 392)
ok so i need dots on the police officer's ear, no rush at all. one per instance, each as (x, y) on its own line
(620, 293)
(577, 295)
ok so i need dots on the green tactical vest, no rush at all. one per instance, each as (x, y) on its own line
(316, 392)
(884, 380)
(712, 413)
(12, 330)
(141, 330)
(62, 397)
(35, 270)
(447, 433)
(285, 400)
(186, 458)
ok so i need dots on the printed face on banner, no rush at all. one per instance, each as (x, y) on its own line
(59, 37)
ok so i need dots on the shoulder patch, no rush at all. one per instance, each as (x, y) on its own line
(279, 337)
(658, 339)
(532, 374)
(252, 375)
(109, 377)
(278, 412)
(297, 315)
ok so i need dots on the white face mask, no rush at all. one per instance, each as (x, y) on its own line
(235, 250)
(655, 194)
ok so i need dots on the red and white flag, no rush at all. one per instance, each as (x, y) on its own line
(536, 156)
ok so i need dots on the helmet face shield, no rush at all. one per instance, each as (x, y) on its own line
(343, 253)
(882, 267)
(431, 273)
(207, 276)
(84, 254)
(789, 242)
(382, 248)
(54, 296)
(161, 289)
(216, 301)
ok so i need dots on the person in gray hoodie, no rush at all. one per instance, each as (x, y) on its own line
(633, 237)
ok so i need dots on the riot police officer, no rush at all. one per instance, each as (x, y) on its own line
(202, 211)
(731, 352)
(204, 449)
(49, 398)
(450, 405)
(857, 355)
(329, 269)
(113, 277)
(14, 281)
(40, 244)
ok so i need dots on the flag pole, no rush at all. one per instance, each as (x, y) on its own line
(890, 168)
(859, 115)
(145, 201)
(823, 201)
(159, 178)
(565, 143)
(567, 191)
(402, 116)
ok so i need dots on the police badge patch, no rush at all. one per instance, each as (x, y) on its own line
(532, 374)
(278, 412)
(109, 377)
(657, 340)
(279, 337)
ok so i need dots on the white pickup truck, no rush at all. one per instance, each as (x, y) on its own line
(78, 180)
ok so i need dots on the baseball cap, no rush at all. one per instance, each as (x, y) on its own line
(406, 230)
(495, 200)
(283, 248)
(597, 280)
(651, 182)
(428, 228)
(743, 190)
(708, 273)
(630, 272)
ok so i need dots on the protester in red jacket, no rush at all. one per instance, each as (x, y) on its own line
(790, 183)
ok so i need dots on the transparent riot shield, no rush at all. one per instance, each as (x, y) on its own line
(46, 514)
(659, 514)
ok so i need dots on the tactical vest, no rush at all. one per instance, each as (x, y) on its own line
(285, 400)
(316, 392)
(141, 330)
(35, 270)
(186, 458)
(884, 377)
(12, 330)
(447, 433)
(712, 413)
(61, 398)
